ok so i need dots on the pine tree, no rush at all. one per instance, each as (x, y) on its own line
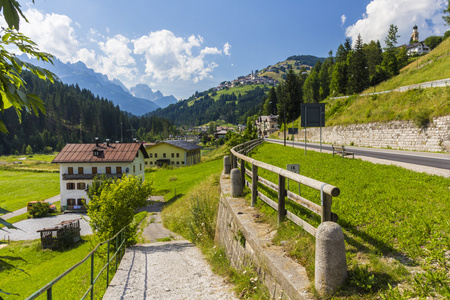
(357, 69)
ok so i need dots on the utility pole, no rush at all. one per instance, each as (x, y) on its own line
(132, 131)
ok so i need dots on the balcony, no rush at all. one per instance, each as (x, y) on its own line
(88, 176)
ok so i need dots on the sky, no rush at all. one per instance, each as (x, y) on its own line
(180, 46)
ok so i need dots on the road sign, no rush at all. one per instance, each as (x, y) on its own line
(313, 114)
(292, 130)
(293, 168)
(296, 169)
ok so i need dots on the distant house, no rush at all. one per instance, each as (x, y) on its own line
(266, 125)
(173, 153)
(80, 163)
(417, 48)
(220, 134)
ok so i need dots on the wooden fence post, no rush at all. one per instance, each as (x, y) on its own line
(326, 207)
(254, 184)
(243, 172)
(281, 195)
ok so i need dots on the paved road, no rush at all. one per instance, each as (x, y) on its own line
(439, 161)
(26, 229)
(24, 210)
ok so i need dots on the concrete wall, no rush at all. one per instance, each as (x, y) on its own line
(247, 242)
(396, 135)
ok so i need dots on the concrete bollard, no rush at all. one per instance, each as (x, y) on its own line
(226, 165)
(236, 182)
(331, 263)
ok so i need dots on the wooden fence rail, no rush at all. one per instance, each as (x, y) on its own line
(327, 191)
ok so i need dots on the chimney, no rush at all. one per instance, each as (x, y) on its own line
(107, 142)
(96, 141)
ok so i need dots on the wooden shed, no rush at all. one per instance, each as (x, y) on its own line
(61, 235)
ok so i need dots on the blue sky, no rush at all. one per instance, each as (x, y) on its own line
(180, 46)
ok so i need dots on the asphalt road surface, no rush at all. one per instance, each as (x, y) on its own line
(434, 160)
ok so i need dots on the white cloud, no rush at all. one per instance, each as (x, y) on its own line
(170, 57)
(343, 19)
(52, 32)
(380, 14)
(226, 49)
(160, 55)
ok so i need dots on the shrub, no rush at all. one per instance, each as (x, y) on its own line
(422, 118)
(39, 210)
(114, 207)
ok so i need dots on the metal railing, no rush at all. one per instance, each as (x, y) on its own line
(327, 191)
(119, 240)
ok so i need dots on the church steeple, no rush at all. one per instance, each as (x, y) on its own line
(415, 34)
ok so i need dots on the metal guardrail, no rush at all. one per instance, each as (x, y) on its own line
(423, 85)
(119, 240)
(327, 191)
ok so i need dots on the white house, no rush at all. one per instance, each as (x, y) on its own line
(417, 48)
(80, 163)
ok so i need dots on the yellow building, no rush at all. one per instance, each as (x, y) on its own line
(173, 153)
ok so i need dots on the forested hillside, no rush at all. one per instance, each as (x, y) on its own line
(232, 107)
(74, 115)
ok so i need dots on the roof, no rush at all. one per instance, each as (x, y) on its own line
(414, 45)
(114, 152)
(181, 144)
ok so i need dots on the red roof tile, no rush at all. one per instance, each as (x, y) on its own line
(84, 153)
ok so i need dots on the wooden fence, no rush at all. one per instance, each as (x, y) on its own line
(327, 191)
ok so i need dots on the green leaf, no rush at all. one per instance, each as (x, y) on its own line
(10, 13)
(3, 127)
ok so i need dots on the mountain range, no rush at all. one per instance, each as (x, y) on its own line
(138, 100)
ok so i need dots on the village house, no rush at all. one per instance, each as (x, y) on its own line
(80, 163)
(174, 153)
(416, 47)
(266, 125)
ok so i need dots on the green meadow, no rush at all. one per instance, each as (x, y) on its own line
(395, 222)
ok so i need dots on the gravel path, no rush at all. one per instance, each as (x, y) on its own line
(27, 228)
(165, 270)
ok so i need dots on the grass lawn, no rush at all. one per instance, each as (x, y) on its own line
(19, 187)
(25, 268)
(35, 162)
(165, 181)
(395, 222)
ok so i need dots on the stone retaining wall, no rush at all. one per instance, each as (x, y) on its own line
(396, 135)
(249, 242)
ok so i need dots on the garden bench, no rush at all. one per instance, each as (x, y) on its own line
(341, 151)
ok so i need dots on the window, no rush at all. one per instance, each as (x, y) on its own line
(80, 201)
(178, 162)
(70, 201)
(178, 155)
(164, 155)
(140, 167)
(81, 186)
(108, 170)
(134, 169)
(173, 162)
(70, 170)
(151, 155)
(156, 155)
(94, 170)
(70, 186)
(173, 155)
(151, 163)
(80, 170)
(146, 162)
(182, 162)
(118, 170)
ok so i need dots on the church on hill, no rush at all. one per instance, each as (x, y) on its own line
(415, 47)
